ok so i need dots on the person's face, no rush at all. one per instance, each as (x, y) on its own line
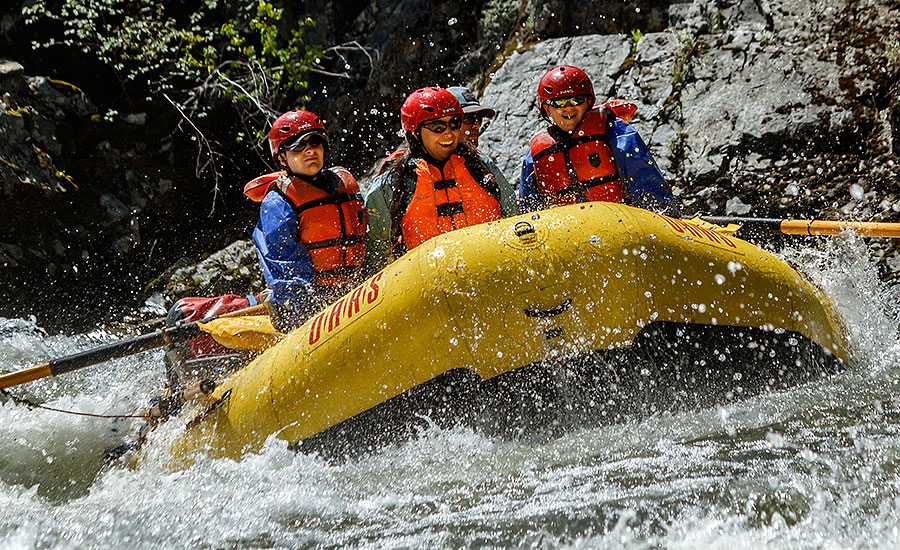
(309, 158)
(470, 129)
(440, 136)
(567, 112)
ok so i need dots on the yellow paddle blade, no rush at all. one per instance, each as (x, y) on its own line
(729, 229)
(252, 332)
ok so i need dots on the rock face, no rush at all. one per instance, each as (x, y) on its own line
(773, 107)
(232, 270)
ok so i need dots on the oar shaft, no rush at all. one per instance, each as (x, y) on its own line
(820, 227)
(122, 348)
(774, 226)
(76, 361)
(26, 375)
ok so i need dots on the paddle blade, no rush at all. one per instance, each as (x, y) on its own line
(254, 332)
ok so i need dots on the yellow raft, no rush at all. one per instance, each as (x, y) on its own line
(495, 311)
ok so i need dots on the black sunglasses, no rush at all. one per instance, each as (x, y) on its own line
(561, 102)
(440, 126)
(301, 144)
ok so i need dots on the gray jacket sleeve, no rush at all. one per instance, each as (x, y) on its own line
(378, 234)
(507, 195)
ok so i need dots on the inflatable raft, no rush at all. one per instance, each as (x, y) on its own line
(580, 314)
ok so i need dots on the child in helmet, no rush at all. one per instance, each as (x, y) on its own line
(312, 222)
(436, 185)
(587, 153)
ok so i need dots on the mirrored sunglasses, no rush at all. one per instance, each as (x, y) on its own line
(559, 103)
(440, 126)
(300, 145)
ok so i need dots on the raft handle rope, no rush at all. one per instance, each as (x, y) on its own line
(33, 405)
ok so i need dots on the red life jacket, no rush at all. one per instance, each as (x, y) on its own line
(444, 200)
(331, 228)
(581, 168)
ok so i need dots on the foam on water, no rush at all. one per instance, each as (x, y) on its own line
(812, 467)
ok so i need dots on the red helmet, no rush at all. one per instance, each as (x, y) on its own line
(426, 104)
(291, 126)
(565, 81)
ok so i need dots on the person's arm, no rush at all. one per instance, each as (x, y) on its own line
(529, 198)
(507, 195)
(285, 263)
(378, 234)
(645, 184)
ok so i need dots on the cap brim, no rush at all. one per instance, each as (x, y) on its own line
(479, 110)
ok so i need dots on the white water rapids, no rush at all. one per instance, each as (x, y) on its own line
(815, 467)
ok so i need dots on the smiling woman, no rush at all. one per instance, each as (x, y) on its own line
(437, 185)
(441, 136)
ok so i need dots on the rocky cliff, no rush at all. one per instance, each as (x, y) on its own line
(760, 107)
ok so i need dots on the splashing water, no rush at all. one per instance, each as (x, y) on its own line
(812, 467)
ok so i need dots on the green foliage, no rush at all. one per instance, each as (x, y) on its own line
(891, 49)
(678, 144)
(715, 21)
(685, 51)
(498, 18)
(636, 35)
(253, 60)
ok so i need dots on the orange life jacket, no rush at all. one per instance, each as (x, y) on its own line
(332, 228)
(444, 200)
(580, 167)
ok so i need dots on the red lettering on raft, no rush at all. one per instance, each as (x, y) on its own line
(315, 330)
(699, 233)
(353, 302)
(374, 288)
(353, 305)
(334, 319)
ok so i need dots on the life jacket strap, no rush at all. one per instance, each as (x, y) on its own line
(336, 199)
(449, 209)
(441, 185)
(560, 146)
(345, 241)
(579, 187)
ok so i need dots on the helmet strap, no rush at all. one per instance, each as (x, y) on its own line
(544, 114)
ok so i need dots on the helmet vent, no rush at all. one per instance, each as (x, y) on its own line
(428, 108)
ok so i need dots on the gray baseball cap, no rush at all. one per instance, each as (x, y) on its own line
(469, 103)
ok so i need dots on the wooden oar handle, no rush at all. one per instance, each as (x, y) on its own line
(26, 375)
(820, 227)
(773, 226)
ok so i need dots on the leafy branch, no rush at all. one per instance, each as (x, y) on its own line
(255, 63)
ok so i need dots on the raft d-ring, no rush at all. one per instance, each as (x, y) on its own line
(523, 228)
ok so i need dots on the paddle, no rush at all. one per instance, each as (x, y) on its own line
(115, 350)
(774, 226)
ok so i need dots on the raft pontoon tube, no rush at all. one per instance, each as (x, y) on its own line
(496, 301)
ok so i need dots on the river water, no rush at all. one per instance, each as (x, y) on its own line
(817, 466)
